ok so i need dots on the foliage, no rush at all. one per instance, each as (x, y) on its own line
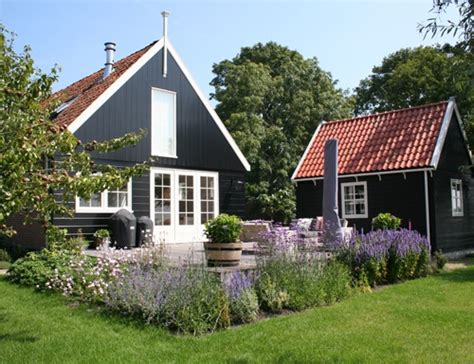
(440, 260)
(36, 269)
(417, 76)
(102, 234)
(435, 312)
(4, 256)
(386, 221)
(15, 250)
(299, 283)
(223, 229)
(38, 156)
(185, 299)
(385, 256)
(271, 99)
(464, 27)
(295, 276)
(243, 300)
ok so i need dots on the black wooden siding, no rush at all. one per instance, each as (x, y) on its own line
(453, 233)
(200, 143)
(401, 196)
(231, 201)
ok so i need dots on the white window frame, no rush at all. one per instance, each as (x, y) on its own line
(154, 152)
(343, 199)
(104, 202)
(454, 183)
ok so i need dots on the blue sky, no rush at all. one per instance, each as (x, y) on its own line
(348, 37)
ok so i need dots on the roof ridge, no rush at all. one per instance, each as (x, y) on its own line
(387, 112)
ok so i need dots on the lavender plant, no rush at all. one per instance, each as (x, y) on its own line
(385, 256)
(295, 276)
(184, 298)
(243, 300)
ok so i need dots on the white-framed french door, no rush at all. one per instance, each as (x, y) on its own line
(181, 201)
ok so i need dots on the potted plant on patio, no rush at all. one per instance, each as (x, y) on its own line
(224, 248)
(102, 238)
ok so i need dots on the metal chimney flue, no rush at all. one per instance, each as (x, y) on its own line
(165, 15)
(109, 58)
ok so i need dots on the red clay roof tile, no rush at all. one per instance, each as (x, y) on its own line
(385, 141)
(83, 92)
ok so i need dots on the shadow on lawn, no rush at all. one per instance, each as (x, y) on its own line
(458, 275)
(19, 336)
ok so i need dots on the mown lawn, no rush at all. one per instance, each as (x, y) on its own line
(429, 320)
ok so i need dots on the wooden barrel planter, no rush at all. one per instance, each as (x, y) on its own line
(223, 254)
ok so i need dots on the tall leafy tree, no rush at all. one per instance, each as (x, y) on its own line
(416, 76)
(37, 156)
(463, 27)
(271, 99)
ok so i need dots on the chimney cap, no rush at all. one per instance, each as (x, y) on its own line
(165, 13)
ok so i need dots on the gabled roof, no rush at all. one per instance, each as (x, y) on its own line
(84, 97)
(403, 139)
(81, 94)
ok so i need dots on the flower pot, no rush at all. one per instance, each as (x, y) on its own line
(223, 254)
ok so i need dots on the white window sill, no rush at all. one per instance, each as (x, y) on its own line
(355, 216)
(100, 210)
(165, 156)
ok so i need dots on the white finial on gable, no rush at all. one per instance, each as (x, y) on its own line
(165, 15)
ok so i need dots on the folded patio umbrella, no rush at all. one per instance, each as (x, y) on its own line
(332, 224)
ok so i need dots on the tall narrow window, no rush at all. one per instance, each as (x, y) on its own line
(207, 198)
(456, 197)
(163, 123)
(354, 200)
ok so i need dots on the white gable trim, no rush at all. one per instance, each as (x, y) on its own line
(114, 87)
(452, 108)
(208, 106)
(306, 151)
(442, 134)
(94, 106)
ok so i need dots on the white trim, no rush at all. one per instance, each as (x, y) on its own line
(208, 106)
(442, 133)
(427, 208)
(104, 202)
(97, 103)
(343, 200)
(306, 151)
(114, 87)
(457, 181)
(173, 229)
(356, 175)
(463, 132)
(174, 124)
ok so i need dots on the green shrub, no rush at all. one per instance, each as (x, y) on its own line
(386, 221)
(37, 269)
(244, 308)
(15, 250)
(440, 260)
(271, 297)
(223, 229)
(297, 283)
(102, 234)
(4, 256)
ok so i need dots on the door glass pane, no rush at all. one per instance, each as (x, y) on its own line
(207, 199)
(162, 199)
(186, 200)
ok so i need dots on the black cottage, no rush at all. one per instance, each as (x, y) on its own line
(199, 169)
(414, 163)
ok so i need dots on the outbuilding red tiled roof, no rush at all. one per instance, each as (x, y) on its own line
(83, 92)
(393, 140)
